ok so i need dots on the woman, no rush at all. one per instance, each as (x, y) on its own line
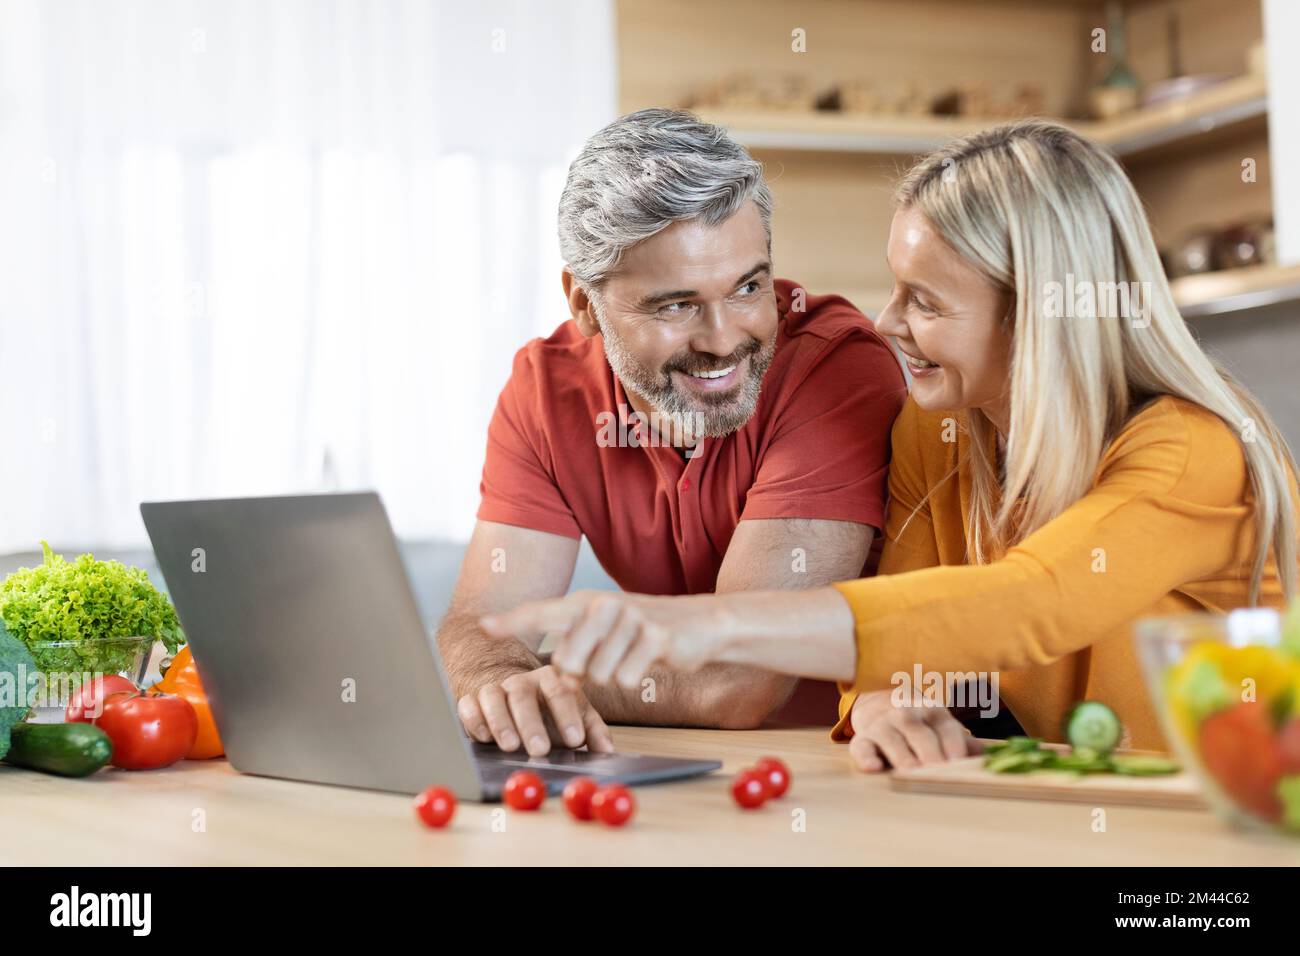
(1069, 460)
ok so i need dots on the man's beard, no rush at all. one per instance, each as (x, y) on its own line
(692, 415)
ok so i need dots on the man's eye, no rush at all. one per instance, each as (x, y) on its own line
(674, 308)
(749, 288)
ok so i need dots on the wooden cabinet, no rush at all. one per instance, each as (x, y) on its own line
(831, 173)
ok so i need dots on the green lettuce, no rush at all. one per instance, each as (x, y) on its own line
(79, 601)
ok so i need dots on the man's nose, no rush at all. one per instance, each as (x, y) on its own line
(719, 332)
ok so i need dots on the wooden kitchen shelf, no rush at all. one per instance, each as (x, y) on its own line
(1209, 294)
(1236, 290)
(1241, 101)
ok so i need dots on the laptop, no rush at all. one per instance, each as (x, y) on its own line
(317, 665)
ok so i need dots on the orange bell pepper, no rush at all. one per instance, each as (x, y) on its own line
(182, 679)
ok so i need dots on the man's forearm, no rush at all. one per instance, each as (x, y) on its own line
(472, 657)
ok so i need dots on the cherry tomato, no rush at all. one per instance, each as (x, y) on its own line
(613, 805)
(524, 790)
(87, 701)
(775, 774)
(749, 789)
(148, 730)
(577, 797)
(435, 807)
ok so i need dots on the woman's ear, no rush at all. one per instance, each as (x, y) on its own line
(580, 304)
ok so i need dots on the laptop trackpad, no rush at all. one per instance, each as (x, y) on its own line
(562, 765)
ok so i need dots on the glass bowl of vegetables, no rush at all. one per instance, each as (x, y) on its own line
(83, 619)
(1227, 688)
(66, 665)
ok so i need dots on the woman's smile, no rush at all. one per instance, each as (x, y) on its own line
(919, 367)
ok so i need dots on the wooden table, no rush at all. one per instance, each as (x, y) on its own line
(117, 817)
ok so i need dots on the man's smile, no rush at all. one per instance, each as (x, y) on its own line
(718, 380)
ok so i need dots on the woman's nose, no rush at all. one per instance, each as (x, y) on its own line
(889, 321)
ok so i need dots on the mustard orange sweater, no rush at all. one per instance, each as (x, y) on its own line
(1169, 507)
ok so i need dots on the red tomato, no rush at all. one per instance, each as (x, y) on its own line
(435, 807)
(1238, 750)
(148, 730)
(577, 797)
(87, 700)
(524, 790)
(613, 805)
(775, 774)
(749, 789)
(1288, 745)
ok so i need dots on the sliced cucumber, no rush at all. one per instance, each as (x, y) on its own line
(1092, 725)
(1082, 760)
(1017, 761)
(1013, 745)
(1143, 765)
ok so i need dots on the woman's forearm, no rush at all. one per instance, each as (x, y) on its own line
(804, 633)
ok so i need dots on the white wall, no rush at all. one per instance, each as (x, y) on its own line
(1282, 36)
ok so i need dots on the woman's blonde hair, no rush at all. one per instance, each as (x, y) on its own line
(1032, 204)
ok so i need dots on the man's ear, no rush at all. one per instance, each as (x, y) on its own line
(580, 305)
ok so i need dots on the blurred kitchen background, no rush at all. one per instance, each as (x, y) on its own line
(272, 247)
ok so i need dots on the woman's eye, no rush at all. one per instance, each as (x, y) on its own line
(921, 306)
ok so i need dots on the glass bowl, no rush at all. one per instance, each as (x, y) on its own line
(1227, 688)
(65, 665)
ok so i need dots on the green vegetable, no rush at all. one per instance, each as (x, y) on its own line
(1283, 706)
(1288, 789)
(1291, 630)
(16, 665)
(1094, 726)
(69, 750)
(1018, 761)
(1204, 690)
(1013, 745)
(1026, 754)
(81, 601)
(1143, 765)
(1083, 760)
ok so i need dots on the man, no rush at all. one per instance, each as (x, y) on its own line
(705, 425)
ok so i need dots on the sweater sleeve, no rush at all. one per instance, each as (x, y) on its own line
(1169, 505)
(910, 542)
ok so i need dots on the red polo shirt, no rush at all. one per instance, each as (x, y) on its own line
(817, 446)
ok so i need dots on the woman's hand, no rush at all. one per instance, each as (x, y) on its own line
(886, 735)
(614, 637)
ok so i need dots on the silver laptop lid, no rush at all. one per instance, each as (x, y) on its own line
(302, 621)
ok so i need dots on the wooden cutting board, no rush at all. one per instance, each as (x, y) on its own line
(969, 778)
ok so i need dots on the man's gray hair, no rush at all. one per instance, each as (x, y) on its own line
(642, 173)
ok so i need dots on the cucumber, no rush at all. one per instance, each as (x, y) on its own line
(1143, 765)
(1092, 725)
(69, 750)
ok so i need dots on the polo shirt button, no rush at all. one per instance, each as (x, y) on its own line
(686, 484)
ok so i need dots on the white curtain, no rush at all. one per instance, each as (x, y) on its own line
(266, 246)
